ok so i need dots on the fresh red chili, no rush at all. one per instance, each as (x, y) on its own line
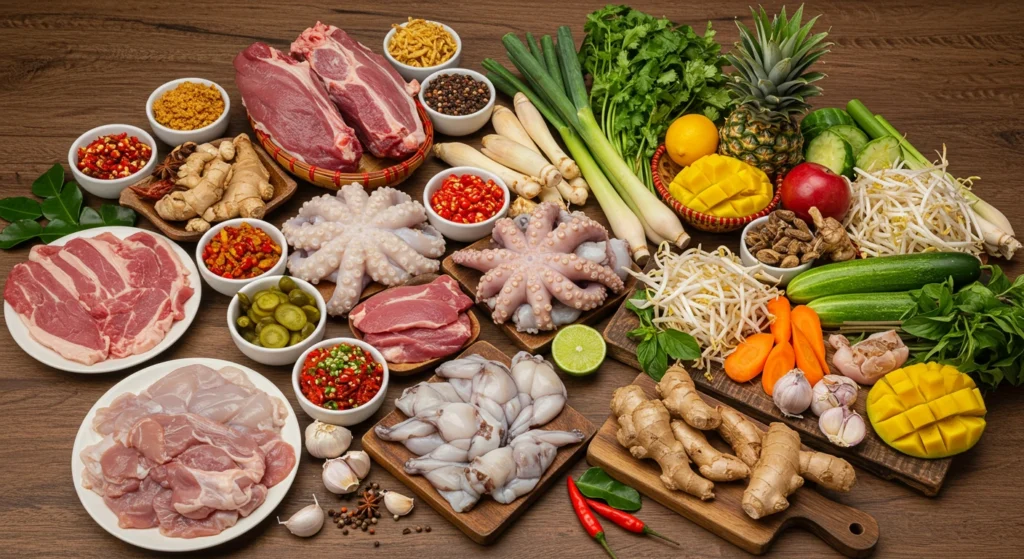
(591, 524)
(343, 377)
(625, 520)
(241, 252)
(113, 157)
(467, 199)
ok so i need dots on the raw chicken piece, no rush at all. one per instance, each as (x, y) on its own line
(867, 361)
(541, 393)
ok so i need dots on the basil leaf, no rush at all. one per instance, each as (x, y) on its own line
(652, 357)
(49, 183)
(56, 229)
(65, 206)
(597, 484)
(18, 232)
(19, 207)
(679, 345)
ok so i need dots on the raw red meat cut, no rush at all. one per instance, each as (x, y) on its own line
(368, 91)
(419, 344)
(286, 100)
(432, 305)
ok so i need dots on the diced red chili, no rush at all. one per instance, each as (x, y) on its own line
(340, 378)
(114, 156)
(467, 199)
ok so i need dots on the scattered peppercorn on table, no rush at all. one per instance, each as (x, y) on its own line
(75, 67)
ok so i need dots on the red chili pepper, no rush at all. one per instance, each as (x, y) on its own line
(625, 520)
(591, 524)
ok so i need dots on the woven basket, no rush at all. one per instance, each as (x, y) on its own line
(664, 170)
(373, 171)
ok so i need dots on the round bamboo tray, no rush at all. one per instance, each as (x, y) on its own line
(373, 171)
(664, 170)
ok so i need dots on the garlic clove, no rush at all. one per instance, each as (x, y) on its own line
(842, 426)
(833, 391)
(324, 440)
(359, 461)
(307, 521)
(792, 393)
(338, 477)
(397, 503)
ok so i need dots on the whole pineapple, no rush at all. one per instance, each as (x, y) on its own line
(770, 85)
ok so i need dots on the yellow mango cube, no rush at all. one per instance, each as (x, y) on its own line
(888, 405)
(722, 186)
(953, 432)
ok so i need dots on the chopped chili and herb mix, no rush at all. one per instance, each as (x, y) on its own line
(343, 377)
(241, 252)
(114, 156)
(467, 199)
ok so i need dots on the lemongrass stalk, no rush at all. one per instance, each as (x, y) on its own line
(997, 241)
(507, 124)
(534, 125)
(458, 154)
(552, 194)
(516, 156)
(580, 182)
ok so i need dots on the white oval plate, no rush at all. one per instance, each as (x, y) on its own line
(151, 538)
(47, 356)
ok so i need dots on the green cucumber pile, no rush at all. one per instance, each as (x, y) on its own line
(834, 140)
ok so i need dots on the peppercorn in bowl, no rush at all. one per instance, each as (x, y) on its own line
(274, 320)
(341, 381)
(459, 101)
(188, 110)
(235, 252)
(110, 158)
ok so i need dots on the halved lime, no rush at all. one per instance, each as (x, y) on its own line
(578, 350)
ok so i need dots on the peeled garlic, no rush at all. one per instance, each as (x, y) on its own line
(307, 521)
(397, 503)
(342, 475)
(833, 391)
(327, 441)
(792, 393)
(842, 426)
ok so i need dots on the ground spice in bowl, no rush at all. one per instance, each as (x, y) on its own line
(456, 94)
(190, 106)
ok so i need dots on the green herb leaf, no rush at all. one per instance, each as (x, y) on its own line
(49, 184)
(19, 207)
(652, 357)
(111, 214)
(65, 206)
(56, 229)
(597, 484)
(18, 232)
(679, 345)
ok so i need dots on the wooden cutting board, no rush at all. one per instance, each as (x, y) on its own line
(468, 278)
(848, 530)
(485, 522)
(871, 454)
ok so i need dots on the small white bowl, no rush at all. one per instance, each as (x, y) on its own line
(341, 417)
(269, 355)
(783, 274)
(417, 73)
(463, 232)
(174, 137)
(464, 124)
(231, 286)
(110, 189)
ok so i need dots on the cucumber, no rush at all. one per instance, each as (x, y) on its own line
(822, 119)
(838, 310)
(883, 274)
(879, 154)
(831, 150)
(853, 136)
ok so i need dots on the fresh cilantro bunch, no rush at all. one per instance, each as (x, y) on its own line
(655, 345)
(647, 72)
(979, 329)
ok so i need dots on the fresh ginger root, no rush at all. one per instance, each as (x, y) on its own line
(248, 188)
(776, 475)
(682, 400)
(191, 172)
(187, 204)
(827, 471)
(713, 465)
(742, 435)
(652, 437)
(626, 398)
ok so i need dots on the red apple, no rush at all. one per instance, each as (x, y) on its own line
(810, 184)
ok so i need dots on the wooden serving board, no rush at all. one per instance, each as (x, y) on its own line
(488, 519)
(871, 454)
(406, 369)
(284, 188)
(468, 278)
(848, 530)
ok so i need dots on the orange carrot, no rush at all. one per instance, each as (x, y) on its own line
(780, 361)
(807, 322)
(779, 307)
(806, 360)
(747, 360)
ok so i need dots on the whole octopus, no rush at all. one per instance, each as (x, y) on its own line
(551, 265)
(353, 238)
(473, 434)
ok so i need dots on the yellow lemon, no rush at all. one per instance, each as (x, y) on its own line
(691, 137)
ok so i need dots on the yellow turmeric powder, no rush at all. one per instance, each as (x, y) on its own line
(190, 106)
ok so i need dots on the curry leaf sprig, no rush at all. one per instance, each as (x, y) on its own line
(656, 346)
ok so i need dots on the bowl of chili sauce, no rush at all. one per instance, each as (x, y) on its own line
(341, 381)
(235, 252)
(463, 203)
(110, 158)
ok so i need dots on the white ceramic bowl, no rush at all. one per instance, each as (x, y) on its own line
(110, 189)
(283, 355)
(785, 274)
(231, 286)
(463, 232)
(417, 73)
(341, 417)
(174, 137)
(464, 124)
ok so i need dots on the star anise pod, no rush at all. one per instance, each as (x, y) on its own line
(168, 168)
(368, 505)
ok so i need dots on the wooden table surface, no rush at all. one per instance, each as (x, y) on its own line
(944, 72)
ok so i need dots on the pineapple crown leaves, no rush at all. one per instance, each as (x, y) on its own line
(771, 63)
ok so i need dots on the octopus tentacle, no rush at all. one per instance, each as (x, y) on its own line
(426, 241)
(511, 296)
(406, 214)
(403, 256)
(567, 236)
(507, 235)
(326, 207)
(484, 260)
(491, 282)
(574, 268)
(382, 269)
(582, 298)
(383, 198)
(350, 280)
(354, 199)
(540, 299)
(542, 221)
(303, 235)
(316, 265)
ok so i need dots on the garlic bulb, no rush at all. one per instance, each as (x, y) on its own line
(342, 475)
(833, 391)
(842, 426)
(324, 440)
(397, 503)
(792, 394)
(307, 521)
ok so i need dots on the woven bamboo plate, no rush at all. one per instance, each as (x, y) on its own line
(373, 171)
(664, 170)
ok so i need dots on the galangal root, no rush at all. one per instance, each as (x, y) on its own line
(682, 400)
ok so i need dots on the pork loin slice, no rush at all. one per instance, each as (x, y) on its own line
(432, 305)
(420, 344)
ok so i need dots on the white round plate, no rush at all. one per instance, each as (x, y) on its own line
(151, 538)
(47, 356)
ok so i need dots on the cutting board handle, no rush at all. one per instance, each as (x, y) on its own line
(847, 530)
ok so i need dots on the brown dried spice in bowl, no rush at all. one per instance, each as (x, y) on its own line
(190, 106)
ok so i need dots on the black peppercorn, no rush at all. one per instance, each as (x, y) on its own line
(456, 95)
